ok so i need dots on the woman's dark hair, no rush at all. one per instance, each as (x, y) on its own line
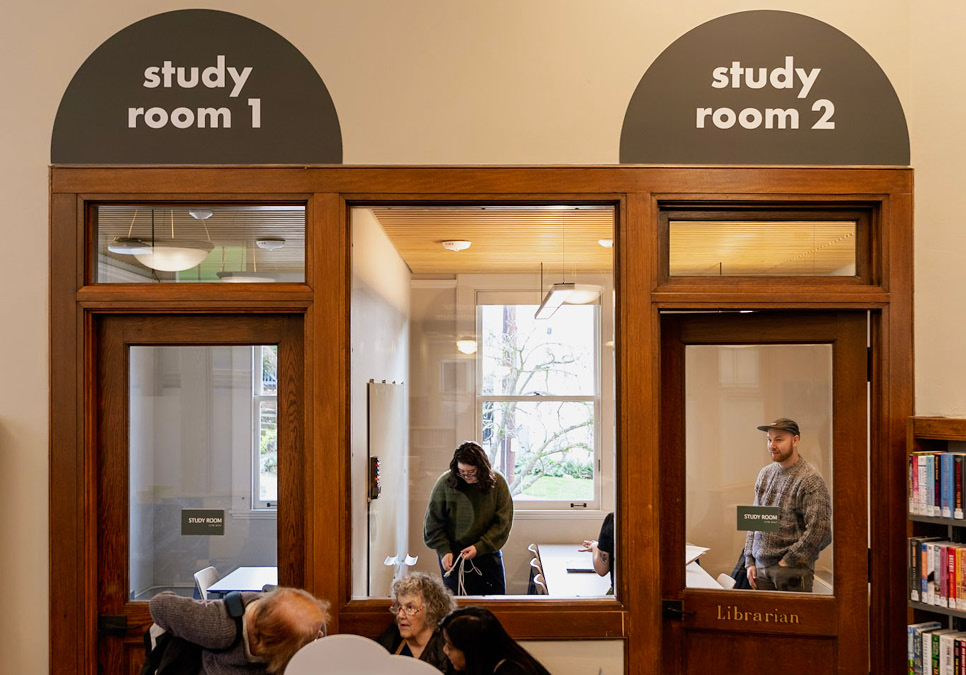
(472, 454)
(477, 633)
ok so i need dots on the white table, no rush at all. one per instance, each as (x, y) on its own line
(246, 579)
(569, 573)
(697, 577)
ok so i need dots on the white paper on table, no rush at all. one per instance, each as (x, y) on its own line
(692, 553)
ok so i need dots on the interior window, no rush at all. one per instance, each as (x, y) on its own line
(491, 324)
(191, 243)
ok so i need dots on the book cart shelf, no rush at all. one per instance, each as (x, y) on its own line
(934, 435)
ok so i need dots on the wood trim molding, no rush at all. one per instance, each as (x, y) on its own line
(324, 297)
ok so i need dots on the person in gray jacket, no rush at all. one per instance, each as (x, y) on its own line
(275, 625)
(784, 560)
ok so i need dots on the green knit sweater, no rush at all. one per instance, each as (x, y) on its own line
(456, 519)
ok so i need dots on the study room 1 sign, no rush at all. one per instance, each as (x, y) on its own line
(196, 87)
(765, 87)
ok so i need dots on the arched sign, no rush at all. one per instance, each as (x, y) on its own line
(764, 87)
(196, 86)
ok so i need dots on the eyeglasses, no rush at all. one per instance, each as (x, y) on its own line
(467, 474)
(408, 610)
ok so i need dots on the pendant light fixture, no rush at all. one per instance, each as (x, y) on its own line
(175, 255)
(560, 291)
(129, 245)
(253, 277)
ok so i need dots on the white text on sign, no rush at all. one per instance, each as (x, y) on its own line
(169, 76)
(787, 76)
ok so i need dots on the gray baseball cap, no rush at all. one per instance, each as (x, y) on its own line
(783, 424)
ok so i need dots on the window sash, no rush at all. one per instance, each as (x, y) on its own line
(257, 399)
(522, 502)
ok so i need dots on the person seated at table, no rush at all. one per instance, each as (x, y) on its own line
(603, 549)
(275, 625)
(419, 601)
(477, 644)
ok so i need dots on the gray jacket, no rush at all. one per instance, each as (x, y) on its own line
(207, 624)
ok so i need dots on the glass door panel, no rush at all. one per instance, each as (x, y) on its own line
(730, 391)
(203, 465)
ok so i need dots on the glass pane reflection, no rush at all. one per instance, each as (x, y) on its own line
(730, 391)
(191, 449)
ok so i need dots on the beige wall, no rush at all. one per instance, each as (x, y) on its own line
(436, 81)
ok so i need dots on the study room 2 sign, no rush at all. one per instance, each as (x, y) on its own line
(765, 87)
(196, 87)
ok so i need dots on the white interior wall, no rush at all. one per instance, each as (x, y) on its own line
(379, 351)
(542, 82)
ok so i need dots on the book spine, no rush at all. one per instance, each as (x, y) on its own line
(922, 487)
(960, 578)
(946, 484)
(915, 576)
(913, 483)
(958, 487)
(943, 563)
(951, 577)
(937, 488)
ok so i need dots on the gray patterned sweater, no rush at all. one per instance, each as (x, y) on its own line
(804, 516)
(207, 623)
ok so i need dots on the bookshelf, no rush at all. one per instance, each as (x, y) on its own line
(934, 435)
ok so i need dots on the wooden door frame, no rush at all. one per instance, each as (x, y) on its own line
(118, 332)
(639, 193)
(819, 616)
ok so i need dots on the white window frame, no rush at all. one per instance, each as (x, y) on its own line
(469, 288)
(259, 504)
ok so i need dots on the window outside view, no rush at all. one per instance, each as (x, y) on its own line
(265, 402)
(537, 399)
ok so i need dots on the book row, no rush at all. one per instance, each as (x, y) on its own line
(934, 650)
(937, 572)
(936, 482)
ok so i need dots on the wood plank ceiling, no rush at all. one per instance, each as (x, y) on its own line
(503, 240)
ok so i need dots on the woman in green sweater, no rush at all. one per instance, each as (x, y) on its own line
(467, 522)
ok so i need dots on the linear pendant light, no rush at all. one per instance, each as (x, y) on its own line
(555, 297)
(560, 291)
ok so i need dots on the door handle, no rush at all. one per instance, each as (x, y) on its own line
(674, 610)
(112, 625)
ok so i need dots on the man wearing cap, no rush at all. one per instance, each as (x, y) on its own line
(785, 560)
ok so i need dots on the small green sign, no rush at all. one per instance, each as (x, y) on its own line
(760, 518)
(202, 521)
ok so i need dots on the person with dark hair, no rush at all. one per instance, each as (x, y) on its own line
(419, 601)
(468, 521)
(274, 626)
(477, 644)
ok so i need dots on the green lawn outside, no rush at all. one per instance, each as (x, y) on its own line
(562, 487)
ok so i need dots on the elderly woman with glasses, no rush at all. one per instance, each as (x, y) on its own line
(419, 602)
(468, 521)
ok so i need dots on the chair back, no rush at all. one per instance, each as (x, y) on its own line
(205, 578)
(540, 584)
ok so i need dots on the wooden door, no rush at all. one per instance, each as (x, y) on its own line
(124, 530)
(810, 366)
